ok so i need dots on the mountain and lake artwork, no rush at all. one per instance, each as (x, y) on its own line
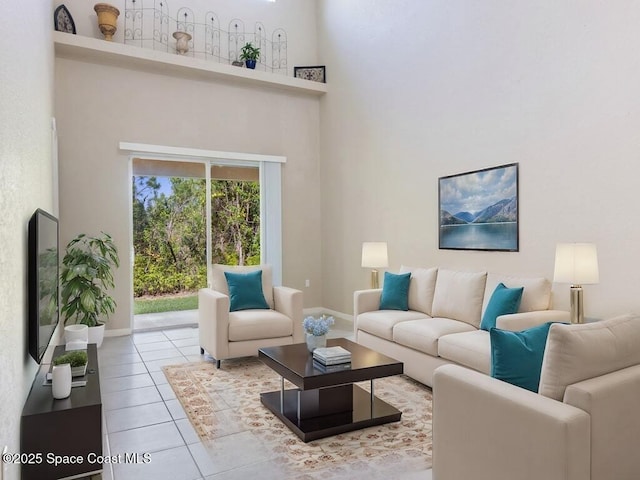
(479, 209)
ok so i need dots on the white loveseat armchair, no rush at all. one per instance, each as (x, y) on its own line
(241, 333)
(582, 425)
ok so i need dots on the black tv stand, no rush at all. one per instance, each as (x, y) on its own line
(71, 427)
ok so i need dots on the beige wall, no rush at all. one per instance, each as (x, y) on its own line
(98, 107)
(423, 89)
(26, 174)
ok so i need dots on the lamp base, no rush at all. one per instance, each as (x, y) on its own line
(577, 308)
(375, 282)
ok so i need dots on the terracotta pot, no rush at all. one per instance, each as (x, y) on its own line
(107, 19)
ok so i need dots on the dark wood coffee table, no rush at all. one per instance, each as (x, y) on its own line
(328, 403)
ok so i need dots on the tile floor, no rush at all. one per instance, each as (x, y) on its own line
(142, 415)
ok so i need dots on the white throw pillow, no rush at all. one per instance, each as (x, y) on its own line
(579, 352)
(459, 295)
(536, 295)
(220, 281)
(421, 288)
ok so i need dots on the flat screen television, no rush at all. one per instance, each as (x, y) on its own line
(44, 311)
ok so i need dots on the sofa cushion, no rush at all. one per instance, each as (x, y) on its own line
(219, 282)
(516, 357)
(471, 349)
(536, 295)
(381, 322)
(579, 352)
(421, 288)
(245, 291)
(458, 295)
(258, 324)
(504, 301)
(423, 334)
(395, 291)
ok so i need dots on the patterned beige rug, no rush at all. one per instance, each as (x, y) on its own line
(232, 393)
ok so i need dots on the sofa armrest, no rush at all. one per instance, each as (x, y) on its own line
(520, 321)
(213, 322)
(288, 301)
(365, 301)
(612, 402)
(484, 429)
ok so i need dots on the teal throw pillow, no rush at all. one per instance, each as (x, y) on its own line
(516, 357)
(503, 301)
(245, 291)
(395, 291)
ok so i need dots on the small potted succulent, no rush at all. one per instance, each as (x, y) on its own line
(250, 55)
(316, 330)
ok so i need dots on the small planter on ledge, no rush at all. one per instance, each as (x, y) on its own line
(250, 55)
(182, 42)
(107, 19)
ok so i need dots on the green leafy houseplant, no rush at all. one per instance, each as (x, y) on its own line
(85, 278)
(249, 52)
(77, 358)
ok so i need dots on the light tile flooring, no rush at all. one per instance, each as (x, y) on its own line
(142, 415)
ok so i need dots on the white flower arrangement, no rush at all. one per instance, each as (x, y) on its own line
(317, 326)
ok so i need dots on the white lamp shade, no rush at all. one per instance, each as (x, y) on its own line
(374, 255)
(576, 263)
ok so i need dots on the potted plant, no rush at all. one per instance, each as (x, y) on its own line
(85, 278)
(250, 55)
(77, 359)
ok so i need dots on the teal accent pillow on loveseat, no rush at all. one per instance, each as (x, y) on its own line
(516, 357)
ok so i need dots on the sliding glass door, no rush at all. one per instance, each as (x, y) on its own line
(187, 215)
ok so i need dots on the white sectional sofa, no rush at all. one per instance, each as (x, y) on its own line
(442, 323)
(583, 425)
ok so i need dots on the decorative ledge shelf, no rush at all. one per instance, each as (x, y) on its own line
(77, 47)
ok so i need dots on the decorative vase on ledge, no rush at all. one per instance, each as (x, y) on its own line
(182, 42)
(316, 341)
(107, 19)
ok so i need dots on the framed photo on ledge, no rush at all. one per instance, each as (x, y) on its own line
(479, 210)
(315, 74)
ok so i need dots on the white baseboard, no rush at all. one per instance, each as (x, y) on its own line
(315, 311)
(119, 332)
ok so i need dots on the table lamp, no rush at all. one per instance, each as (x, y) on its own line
(577, 264)
(374, 255)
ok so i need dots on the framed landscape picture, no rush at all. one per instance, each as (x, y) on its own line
(479, 210)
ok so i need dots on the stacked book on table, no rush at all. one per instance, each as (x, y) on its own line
(332, 358)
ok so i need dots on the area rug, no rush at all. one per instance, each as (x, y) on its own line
(224, 401)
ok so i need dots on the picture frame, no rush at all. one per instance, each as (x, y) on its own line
(479, 210)
(63, 21)
(315, 74)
